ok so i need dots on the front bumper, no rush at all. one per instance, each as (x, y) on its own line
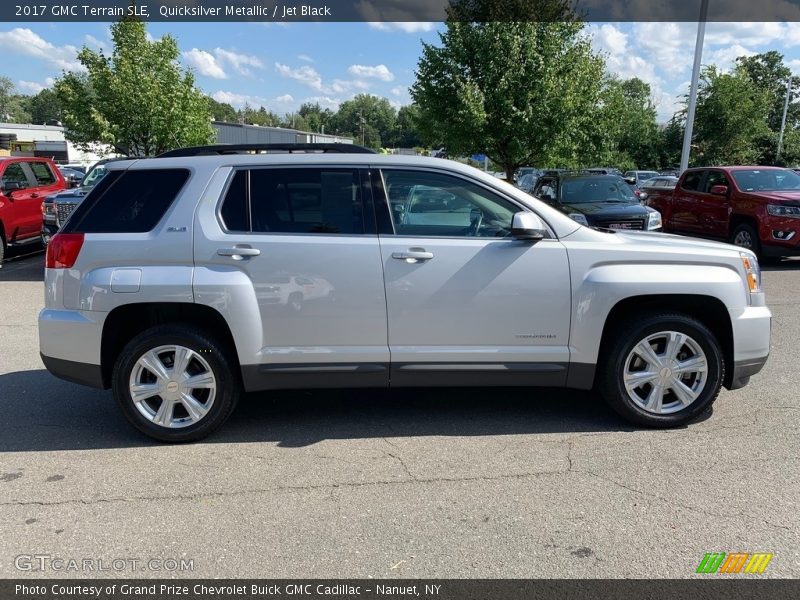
(751, 338)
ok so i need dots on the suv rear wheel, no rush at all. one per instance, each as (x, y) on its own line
(175, 385)
(663, 371)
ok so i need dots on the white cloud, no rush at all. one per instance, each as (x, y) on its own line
(29, 87)
(724, 58)
(284, 99)
(406, 27)
(305, 57)
(90, 40)
(22, 40)
(212, 64)
(237, 100)
(399, 90)
(381, 72)
(305, 75)
(309, 77)
(205, 63)
(240, 63)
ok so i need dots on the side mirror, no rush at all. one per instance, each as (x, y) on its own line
(528, 227)
(630, 180)
(719, 190)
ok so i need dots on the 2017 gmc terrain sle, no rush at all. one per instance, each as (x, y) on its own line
(161, 286)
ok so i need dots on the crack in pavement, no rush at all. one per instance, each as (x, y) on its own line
(689, 507)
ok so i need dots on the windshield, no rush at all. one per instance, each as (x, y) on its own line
(596, 189)
(772, 180)
(645, 175)
(93, 176)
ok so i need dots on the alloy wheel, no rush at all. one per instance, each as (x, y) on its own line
(172, 386)
(665, 372)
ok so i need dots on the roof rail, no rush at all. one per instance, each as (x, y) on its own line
(265, 148)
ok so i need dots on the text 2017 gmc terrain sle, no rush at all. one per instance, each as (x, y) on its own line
(182, 281)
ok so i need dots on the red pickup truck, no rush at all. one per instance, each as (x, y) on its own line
(754, 207)
(24, 182)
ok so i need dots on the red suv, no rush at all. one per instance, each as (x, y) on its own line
(24, 182)
(757, 208)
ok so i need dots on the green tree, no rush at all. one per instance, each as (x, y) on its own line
(368, 119)
(221, 111)
(260, 116)
(769, 73)
(138, 99)
(13, 106)
(45, 107)
(731, 116)
(407, 134)
(316, 118)
(522, 92)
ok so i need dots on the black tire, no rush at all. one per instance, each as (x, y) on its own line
(744, 231)
(2, 247)
(225, 371)
(611, 383)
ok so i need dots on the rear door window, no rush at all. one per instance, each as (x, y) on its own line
(299, 200)
(44, 176)
(128, 201)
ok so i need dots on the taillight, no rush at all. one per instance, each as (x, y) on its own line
(63, 250)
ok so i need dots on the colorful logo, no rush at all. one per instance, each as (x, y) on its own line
(737, 562)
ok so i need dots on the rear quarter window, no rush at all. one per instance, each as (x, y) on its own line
(128, 201)
(44, 175)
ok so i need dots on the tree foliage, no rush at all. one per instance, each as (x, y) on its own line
(13, 106)
(367, 119)
(137, 100)
(732, 114)
(522, 92)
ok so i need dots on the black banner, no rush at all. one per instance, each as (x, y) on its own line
(705, 588)
(398, 10)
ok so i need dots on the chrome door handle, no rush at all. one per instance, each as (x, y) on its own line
(239, 252)
(413, 255)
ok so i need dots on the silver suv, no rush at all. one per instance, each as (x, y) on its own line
(182, 281)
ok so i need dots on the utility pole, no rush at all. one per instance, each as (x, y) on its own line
(698, 58)
(783, 120)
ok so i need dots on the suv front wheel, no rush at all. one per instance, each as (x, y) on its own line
(175, 385)
(663, 370)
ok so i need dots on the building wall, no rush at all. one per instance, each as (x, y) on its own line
(236, 133)
(27, 132)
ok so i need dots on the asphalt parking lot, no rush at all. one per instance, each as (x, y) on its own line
(434, 483)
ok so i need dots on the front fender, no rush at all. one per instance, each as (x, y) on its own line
(604, 286)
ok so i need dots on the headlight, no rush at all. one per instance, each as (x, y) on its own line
(782, 210)
(752, 272)
(578, 217)
(654, 220)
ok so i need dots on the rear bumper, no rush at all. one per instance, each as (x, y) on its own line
(70, 344)
(76, 372)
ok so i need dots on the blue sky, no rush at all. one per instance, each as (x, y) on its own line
(281, 66)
